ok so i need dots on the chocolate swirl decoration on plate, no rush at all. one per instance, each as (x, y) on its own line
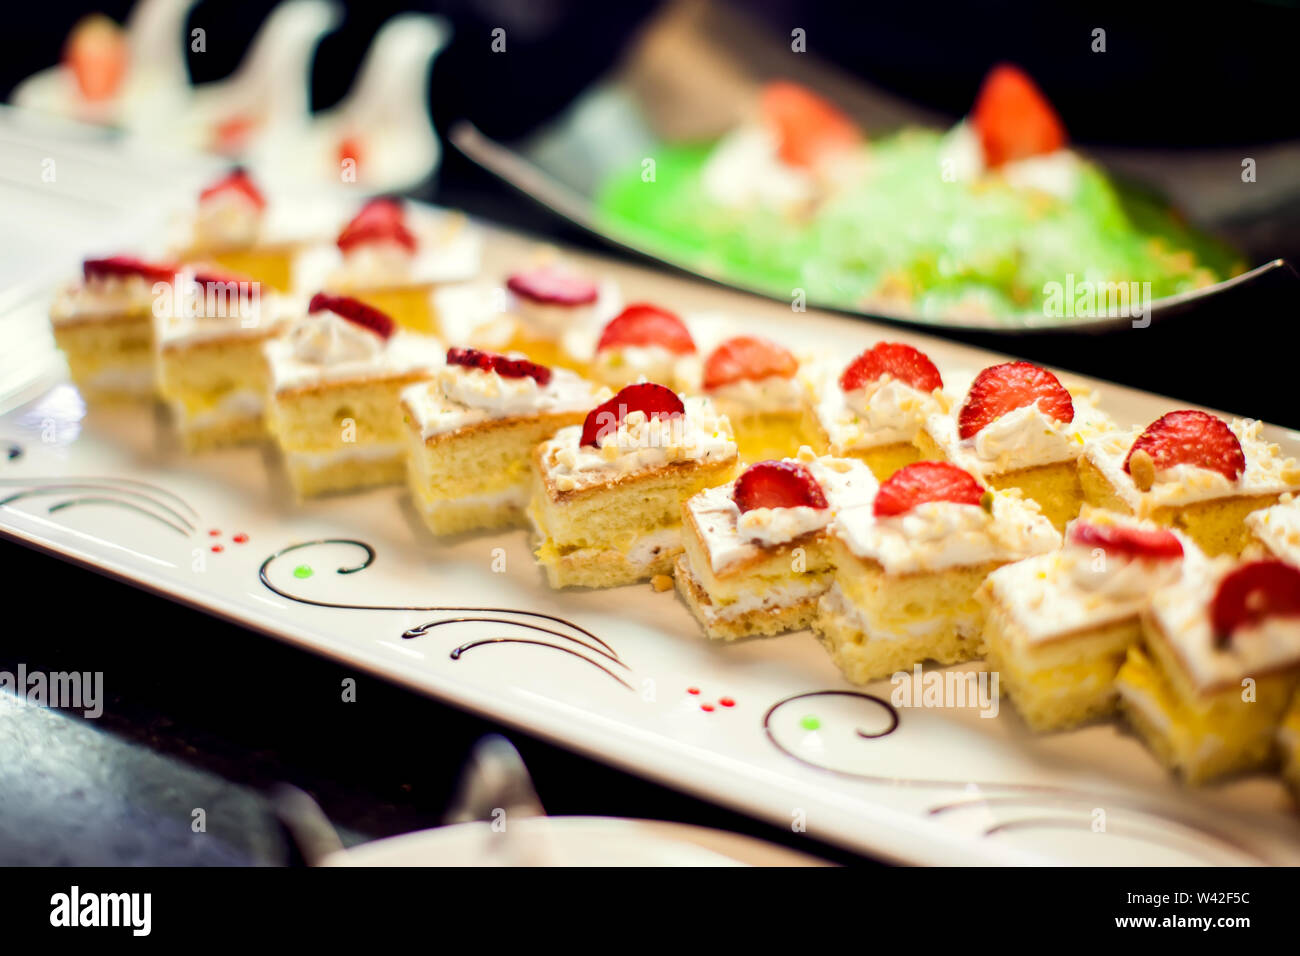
(581, 643)
(138, 497)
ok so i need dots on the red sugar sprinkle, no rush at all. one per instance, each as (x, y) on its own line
(240, 539)
(214, 532)
(708, 707)
(692, 690)
(217, 549)
(726, 702)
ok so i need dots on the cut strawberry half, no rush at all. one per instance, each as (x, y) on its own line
(1122, 539)
(553, 287)
(1004, 388)
(898, 361)
(656, 401)
(808, 127)
(1253, 592)
(1190, 437)
(1013, 118)
(924, 481)
(777, 484)
(644, 324)
(97, 53)
(355, 311)
(125, 266)
(239, 183)
(503, 365)
(748, 358)
(380, 220)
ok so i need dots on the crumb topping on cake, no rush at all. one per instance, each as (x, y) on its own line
(1278, 529)
(886, 411)
(775, 393)
(460, 396)
(325, 347)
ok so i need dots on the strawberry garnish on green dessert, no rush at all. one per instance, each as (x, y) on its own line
(1000, 389)
(354, 311)
(1158, 544)
(923, 481)
(1013, 118)
(901, 362)
(547, 286)
(503, 365)
(808, 128)
(1190, 437)
(1252, 593)
(380, 220)
(777, 484)
(97, 54)
(655, 401)
(747, 358)
(642, 324)
(122, 267)
(237, 183)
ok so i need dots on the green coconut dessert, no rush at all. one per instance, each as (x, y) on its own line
(996, 220)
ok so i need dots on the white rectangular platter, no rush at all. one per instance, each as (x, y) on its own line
(766, 726)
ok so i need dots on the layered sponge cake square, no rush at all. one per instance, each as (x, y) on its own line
(1288, 745)
(755, 559)
(1218, 665)
(552, 310)
(336, 378)
(646, 342)
(472, 430)
(908, 565)
(209, 351)
(756, 383)
(1275, 531)
(606, 502)
(104, 325)
(1059, 625)
(1192, 471)
(874, 407)
(1019, 427)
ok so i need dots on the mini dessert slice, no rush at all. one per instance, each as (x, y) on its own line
(395, 261)
(209, 354)
(234, 230)
(1059, 624)
(756, 559)
(553, 306)
(908, 564)
(104, 325)
(335, 406)
(1019, 427)
(1193, 471)
(607, 494)
(646, 342)
(472, 431)
(1275, 531)
(1288, 745)
(755, 382)
(877, 404)
(1219, 663)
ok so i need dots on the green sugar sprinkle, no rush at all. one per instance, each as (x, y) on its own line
(810, 723)
(303, 571)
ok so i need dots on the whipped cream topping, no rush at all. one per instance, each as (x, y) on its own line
(621, 364)
(730, 537)
(745, 169)
(227, 219)
(460, 396)
(753, 396)
(447, 250)
(1055, 173)
(942, 534)
(1266, 472)
(104, 297)
(1278, 529)
(241, 308)
(887, 411)
(325, 347)
(1022, 438)
(1181, 612)
(701, 434)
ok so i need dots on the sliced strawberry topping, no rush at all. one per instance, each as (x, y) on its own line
(777, 484)
(1013, 118)
(355, 311)
(1191, 438)
(656, 401)
(1253, 592)
(380, 220)
(503, 365)
(97, 53)
(1004, 388)
(807, 126)
(237, 182)
(553, 287)
(924, 481)
(644, 324)
(1122, 539)
(123, 266)
(748, 358)
(895, 360)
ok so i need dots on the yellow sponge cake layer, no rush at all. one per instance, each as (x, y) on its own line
(778, 609)
(111, 359)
